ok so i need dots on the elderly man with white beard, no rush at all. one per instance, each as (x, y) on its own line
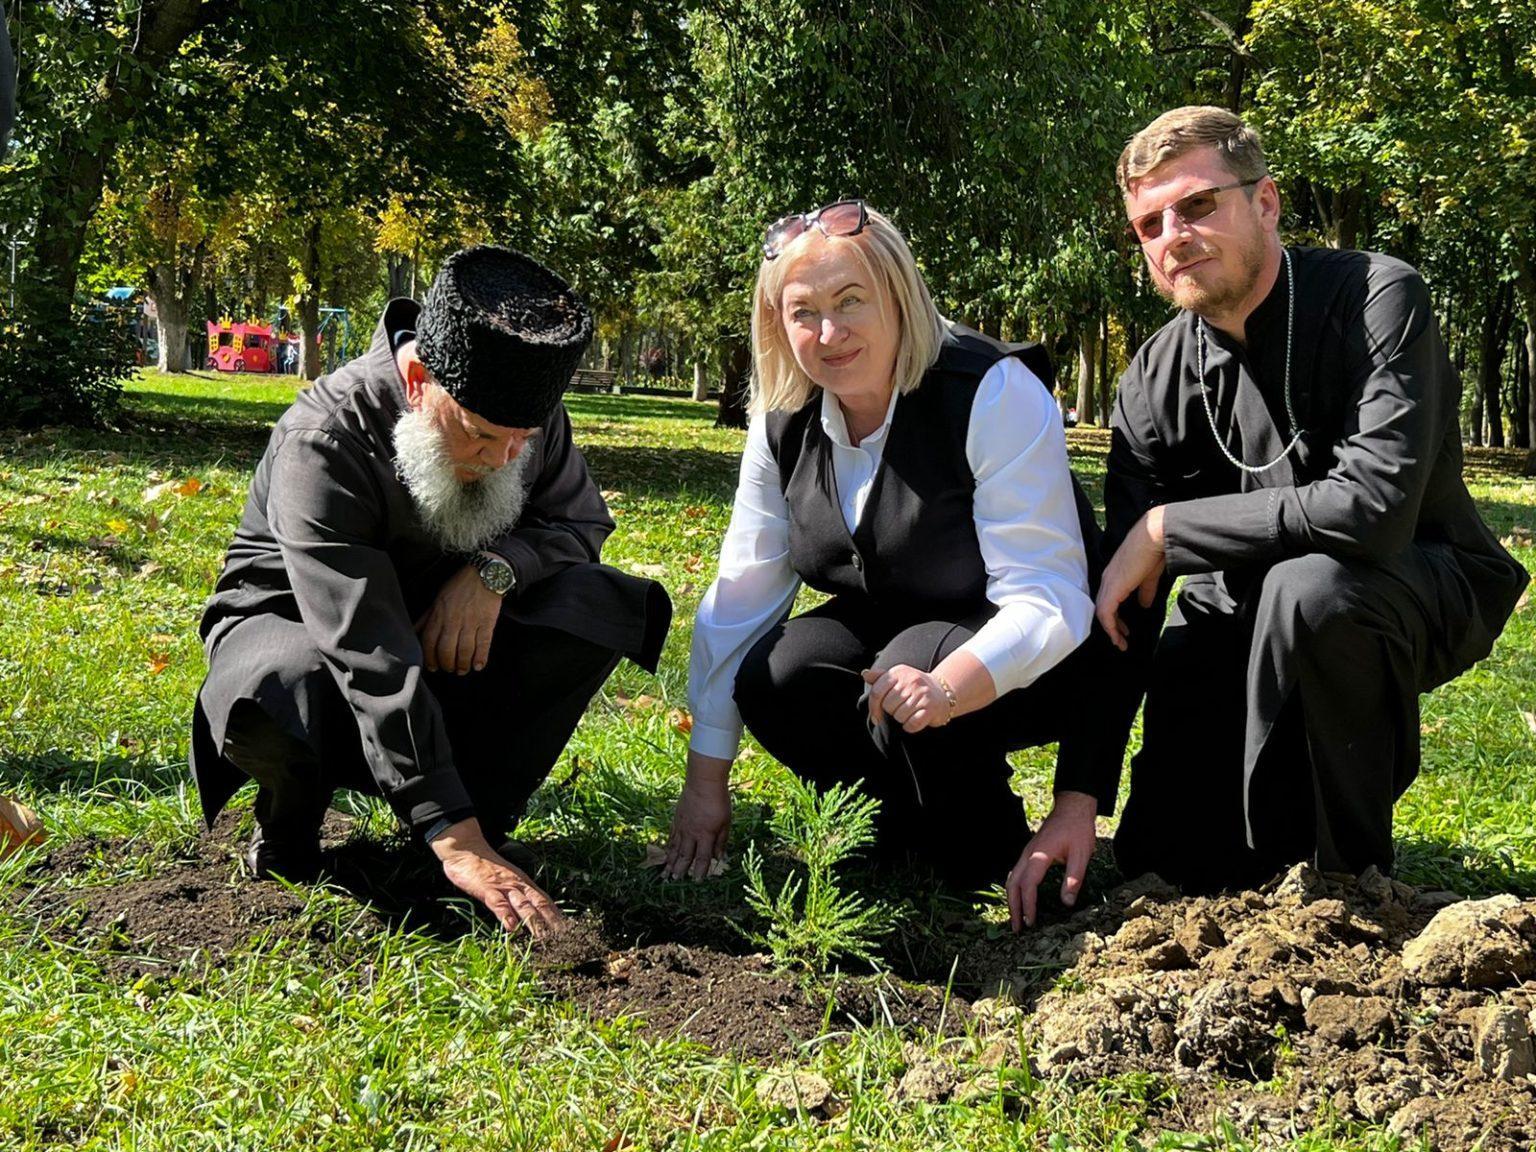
(413, 604)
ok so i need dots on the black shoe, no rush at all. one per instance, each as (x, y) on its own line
(297, 861)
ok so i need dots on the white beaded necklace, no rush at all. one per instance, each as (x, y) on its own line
(1205, 397)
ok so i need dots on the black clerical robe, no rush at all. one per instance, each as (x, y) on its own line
(1373, 484)
(331, 538)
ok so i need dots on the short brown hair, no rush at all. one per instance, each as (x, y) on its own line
(1183, 130)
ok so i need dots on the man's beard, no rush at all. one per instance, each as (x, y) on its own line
(462, 517)
(1195, 297)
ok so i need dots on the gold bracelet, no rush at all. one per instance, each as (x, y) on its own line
(949, 694)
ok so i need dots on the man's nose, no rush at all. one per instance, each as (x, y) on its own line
(505, 451)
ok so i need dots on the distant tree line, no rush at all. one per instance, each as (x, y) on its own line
(234, 156)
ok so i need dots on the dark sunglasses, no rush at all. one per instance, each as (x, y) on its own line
(1195, 206)
(840, 218)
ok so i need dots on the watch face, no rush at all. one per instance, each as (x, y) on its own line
(497, 576)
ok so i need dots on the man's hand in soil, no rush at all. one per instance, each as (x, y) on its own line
(1135, 568)
(1066, 836)
(507, 893)
(702, 822)
(456, 631)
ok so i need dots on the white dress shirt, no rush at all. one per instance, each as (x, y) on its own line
(1026, 528)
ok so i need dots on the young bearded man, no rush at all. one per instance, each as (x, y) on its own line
(1289, 444)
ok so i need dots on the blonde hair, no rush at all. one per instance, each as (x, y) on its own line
(1183, 130)
(778, 383)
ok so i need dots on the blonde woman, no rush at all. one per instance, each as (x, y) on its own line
(917, 473)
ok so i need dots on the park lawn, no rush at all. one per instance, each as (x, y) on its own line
(109, 543)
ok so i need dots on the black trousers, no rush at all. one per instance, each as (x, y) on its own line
(507, 724)
(1281, 723)
(944, 795)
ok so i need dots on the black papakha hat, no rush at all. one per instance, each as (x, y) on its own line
(502, 334)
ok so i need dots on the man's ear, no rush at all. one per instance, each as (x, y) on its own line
(1268, 195)
(415, 383)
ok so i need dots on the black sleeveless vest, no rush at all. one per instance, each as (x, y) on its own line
(914, 554)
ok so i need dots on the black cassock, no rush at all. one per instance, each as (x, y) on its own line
(316, 678)
(1321, 596)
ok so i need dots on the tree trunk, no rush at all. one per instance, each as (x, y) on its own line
(76, 165)
(1106, 400)
(171, 330)
(626, 338)
(1525, 292)
(175, 283)
(1087, 362)
(700, 382)
(401, 274)
(1520, 415)
(733, 392)
(309, 305)
(1496, 324)
(1237, 60)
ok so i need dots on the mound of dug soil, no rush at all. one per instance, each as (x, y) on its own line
(201, 910)
(1364, 999)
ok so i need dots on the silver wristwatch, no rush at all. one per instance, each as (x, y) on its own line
(495, 573)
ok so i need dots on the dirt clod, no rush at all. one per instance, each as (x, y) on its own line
(1472, 944)
(1349, 1021)
(1297, 1001)
(794, 1089)
(1501, 1043)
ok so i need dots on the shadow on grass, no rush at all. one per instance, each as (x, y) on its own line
(171, 447)
(663, 473)
(54, 772)
(596, 405)
(1460, 868)
(1502, 516)
(216, 411)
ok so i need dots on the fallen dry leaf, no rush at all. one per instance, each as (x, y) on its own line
(1524, 601)
(152, 523)
(155, 491)
(159, 662)
(148, 568)
(1530, 721)
(652, 570)
(19, 825)
(118, 525)
(655, 856)
(189, 487)
(680, 720)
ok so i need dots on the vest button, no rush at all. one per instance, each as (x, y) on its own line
(858, 562)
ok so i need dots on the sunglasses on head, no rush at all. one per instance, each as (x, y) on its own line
(840, 218)
(1196, 206)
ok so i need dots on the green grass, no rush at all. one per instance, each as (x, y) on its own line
(397, 1040)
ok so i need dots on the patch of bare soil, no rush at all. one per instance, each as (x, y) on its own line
(1362, 999)
(202, 909)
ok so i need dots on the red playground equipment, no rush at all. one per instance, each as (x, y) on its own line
(239, 347)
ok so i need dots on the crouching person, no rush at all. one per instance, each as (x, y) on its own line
(413, 604)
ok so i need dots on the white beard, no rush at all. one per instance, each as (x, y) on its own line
(462, 517)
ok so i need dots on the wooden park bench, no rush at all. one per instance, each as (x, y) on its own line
(594, 380)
